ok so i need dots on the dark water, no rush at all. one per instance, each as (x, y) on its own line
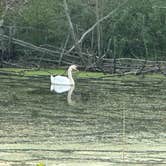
(100, 122)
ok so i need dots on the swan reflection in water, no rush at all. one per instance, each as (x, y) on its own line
(62, 89)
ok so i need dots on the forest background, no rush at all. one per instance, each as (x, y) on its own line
(91, 33)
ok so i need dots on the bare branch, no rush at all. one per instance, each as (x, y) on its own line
(72, 30)
(69, 20)
(94, 26)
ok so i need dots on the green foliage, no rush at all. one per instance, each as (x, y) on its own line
(135, 30)
(1, 11)
(40, 164)
(46, 72)
(138, 27)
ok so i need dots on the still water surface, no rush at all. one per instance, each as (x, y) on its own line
(100, 122)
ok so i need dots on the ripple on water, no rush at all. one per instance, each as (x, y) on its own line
(103, 121)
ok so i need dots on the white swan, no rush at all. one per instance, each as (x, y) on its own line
(61, 80)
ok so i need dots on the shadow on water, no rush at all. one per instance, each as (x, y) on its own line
(97, 122)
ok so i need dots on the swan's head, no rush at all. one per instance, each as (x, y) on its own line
(73, 67)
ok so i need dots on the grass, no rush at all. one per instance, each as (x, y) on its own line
(80, 74)
(45, 72)
(40, 164)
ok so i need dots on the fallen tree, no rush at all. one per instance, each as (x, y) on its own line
(120, 65)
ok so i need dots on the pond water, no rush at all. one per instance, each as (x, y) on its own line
(100, 122)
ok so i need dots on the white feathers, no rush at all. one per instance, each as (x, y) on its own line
(61, 80)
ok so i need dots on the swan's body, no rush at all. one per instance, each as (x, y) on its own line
(61, 80)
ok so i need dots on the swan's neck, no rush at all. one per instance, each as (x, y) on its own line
(70, 76)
